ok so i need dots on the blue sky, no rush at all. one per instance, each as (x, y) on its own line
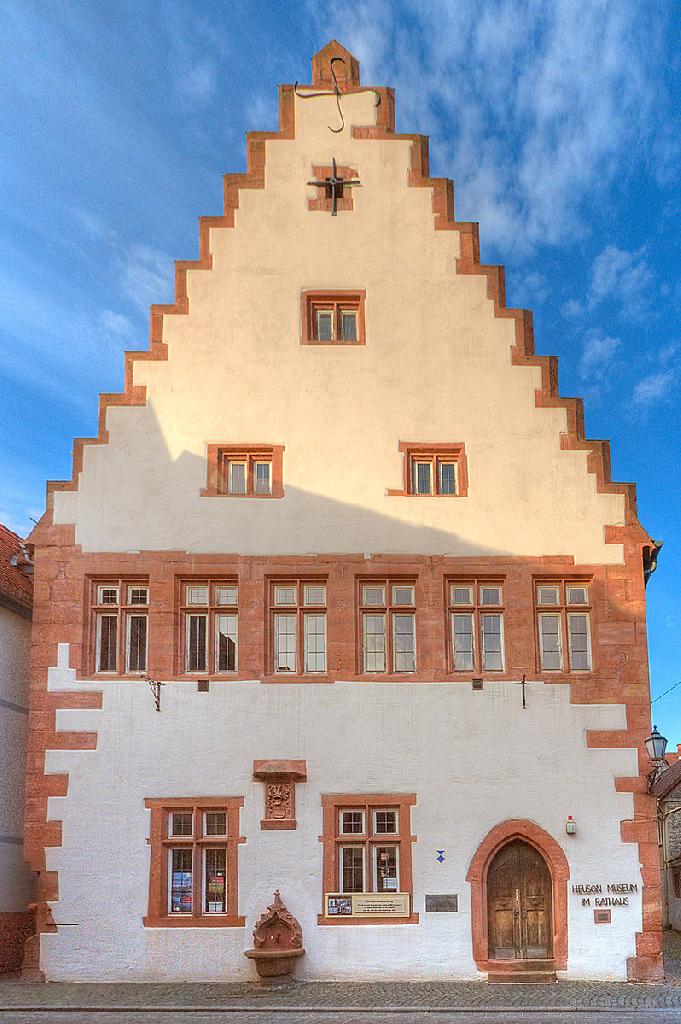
(558, 122)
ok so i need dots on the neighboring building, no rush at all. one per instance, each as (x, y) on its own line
(16, 879)
(667, 789)
(339, 515)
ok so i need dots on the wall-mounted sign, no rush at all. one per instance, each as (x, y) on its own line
(609, 894)
(443, 903)
(367, 904)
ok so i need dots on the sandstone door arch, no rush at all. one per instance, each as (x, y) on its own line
(519, 904)
(557, 865)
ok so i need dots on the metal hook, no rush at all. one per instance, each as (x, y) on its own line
(337, 131)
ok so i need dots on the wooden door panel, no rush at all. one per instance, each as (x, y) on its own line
(519, 904)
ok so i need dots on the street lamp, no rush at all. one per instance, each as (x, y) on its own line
(656, 746)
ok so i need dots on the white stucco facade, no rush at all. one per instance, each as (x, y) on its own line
(16, 880)
(462, 752)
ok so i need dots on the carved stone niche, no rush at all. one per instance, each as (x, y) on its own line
(280, 778)
(277, 941)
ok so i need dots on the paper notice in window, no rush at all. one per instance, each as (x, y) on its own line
(380, 904)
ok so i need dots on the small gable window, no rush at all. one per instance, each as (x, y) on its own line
(333, 318)
(433, 470)
(245, 471)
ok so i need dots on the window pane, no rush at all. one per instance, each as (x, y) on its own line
(226, 595)
(315, 643)
(315, 595)
(423, 477)
(215, 881)
(385, 822)
(373, 596)
(136, 654)
(374, 642)
(215, 823)
(285, 595)
(403, 595)
(323, 325)
(284, 643)
(181, 882)
(348, 325)
(181, 823)
(236, 478)
(138, 595)
(386, 869)
(197, 636)
(447, 477)
(490, 595)
(580, 646)
(108, 595)
(462, 595)
(261, 481)
(404, 643)
(197, 595)
(226, 643)
(549, 632)
(577, 595)
(548, 595)
(352, 869)
(492, 654)
(107, 642)
(462, 642)
(352, 823)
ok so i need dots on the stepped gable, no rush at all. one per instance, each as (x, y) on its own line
(347, 76)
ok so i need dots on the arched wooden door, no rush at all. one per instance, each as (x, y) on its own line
(519, 904)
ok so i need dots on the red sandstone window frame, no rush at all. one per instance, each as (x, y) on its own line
(220, 455)
(389, 609)
(336, 302)
(333, 839)
(211, 609)
(476, 608)
(436, 455)
(162, 841)
(300, 608)
(123, 610)
(564, 609)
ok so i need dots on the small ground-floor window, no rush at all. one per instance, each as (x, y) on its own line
(194, 862)
(367, 859)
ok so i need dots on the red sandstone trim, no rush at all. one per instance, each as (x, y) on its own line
(559, 870)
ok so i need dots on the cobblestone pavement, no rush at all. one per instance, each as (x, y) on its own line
(507, 1016)
(340, 1001)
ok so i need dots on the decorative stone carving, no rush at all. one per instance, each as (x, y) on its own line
(277, 941)
(280, 779)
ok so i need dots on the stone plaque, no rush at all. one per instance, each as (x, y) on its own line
(445, 903)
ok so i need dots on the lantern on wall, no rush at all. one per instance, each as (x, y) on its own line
(570, 825)
(656, 746)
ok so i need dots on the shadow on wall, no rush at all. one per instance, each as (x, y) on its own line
(158, 506)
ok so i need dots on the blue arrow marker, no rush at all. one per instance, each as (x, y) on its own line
(440, 856)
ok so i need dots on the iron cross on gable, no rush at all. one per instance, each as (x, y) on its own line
(334, 186)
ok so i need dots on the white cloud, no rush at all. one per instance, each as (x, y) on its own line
(623, 275)
(196, 82)
(146, 276)
(653, 388)
(597, 353)
(534, 108)
(116, 323)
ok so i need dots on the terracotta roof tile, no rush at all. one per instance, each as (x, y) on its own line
(13, 583)
(668, 780)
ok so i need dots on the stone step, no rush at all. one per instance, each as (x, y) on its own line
(522, 972)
